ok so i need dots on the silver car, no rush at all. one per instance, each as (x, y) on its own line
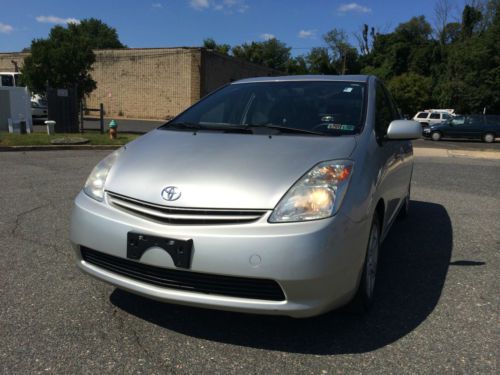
(270, 196)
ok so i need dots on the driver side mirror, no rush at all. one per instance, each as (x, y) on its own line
(404, 129)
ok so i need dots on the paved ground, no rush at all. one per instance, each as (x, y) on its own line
(143, 126)
(437, 308)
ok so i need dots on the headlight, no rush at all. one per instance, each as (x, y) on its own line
(317, 195)
(94, 187)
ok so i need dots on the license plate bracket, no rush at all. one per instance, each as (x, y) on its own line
(179, 250)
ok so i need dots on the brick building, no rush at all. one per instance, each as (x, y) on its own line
(156, 83)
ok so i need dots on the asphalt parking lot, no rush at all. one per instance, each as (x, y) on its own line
(437, 293)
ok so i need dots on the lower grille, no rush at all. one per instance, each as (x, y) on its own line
(185, 280)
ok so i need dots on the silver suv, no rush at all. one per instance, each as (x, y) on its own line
(426, 118)
(270, 195)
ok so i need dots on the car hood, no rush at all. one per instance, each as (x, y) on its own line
(220, 170)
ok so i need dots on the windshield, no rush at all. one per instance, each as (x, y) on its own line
(317, 107)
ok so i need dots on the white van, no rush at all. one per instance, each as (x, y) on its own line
(10, 79)
(38, 103)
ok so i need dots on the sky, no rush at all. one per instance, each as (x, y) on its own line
(170, 23)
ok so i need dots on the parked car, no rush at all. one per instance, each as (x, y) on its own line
(430, 117)
(483, 127)
(39, 110)
(271, 195)
(9, 79)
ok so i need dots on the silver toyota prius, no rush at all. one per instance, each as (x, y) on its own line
(270, 196)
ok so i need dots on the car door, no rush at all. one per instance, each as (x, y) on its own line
(392, 176)
(463, 127)
(434, 118)
(476, 127)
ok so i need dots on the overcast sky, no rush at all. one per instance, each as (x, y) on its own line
(170, 23)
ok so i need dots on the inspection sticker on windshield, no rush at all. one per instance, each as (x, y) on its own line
(334, 126)
(348, 89)
(347, 127)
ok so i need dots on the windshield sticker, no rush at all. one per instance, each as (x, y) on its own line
(334, 126)
(348, 89)
(347, 127)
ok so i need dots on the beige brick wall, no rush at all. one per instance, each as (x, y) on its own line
(5, 60)
(143, 83)
(156, 83)
(220, 69)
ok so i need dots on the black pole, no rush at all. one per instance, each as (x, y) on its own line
(101, 117)
(81, 117)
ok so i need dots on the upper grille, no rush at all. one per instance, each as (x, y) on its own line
(232, 286)
(186, 216)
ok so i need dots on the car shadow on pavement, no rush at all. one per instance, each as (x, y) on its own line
(413, 266)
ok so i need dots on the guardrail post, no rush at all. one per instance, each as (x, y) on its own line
(101, 117)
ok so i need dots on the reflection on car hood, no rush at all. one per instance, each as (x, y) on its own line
(217, 170)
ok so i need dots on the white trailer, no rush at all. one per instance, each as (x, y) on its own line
(15, 108)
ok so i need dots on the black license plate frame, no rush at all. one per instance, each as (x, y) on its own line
(179, 250)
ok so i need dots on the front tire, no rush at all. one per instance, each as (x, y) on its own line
(489, 138)
(363, 299)
(436, 136)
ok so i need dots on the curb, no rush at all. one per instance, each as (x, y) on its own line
(58, 148)
(446, 153)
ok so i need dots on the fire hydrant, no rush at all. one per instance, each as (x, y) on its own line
(113, 129)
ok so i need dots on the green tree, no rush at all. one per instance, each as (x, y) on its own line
(210, 43)
(99, 35)
(271, 53)
(470, 20)
(297, 65)
(319, 61)
(471, 81)
(63, 60)
(412, 92)
(344, 56)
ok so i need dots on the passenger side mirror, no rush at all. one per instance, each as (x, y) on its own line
(404, 129)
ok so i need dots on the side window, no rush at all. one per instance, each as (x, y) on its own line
(458, 121)
(434, 116)
(7, 80)
(422, 115)
(383, 112)
(446, 116)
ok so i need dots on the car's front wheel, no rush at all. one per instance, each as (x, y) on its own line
(364, 296)
(436, 136)
(489, 138)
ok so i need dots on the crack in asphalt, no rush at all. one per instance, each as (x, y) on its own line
(14, 232)
(20, 215)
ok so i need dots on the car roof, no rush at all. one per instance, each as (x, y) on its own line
(311, 78)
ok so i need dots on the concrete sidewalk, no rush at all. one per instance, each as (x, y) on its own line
(442, 152)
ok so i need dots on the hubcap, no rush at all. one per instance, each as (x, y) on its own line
(488, 138)
(436, 136)
(371, 262)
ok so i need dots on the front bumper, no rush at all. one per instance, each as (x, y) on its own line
(317, 264)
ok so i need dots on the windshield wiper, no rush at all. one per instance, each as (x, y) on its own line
(205, 126)
(182, 125)
(283, 129)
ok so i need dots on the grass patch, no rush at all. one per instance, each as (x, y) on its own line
(40, 139)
